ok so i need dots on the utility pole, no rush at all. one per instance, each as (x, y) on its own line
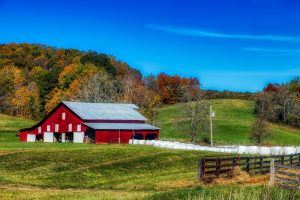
(211, 115)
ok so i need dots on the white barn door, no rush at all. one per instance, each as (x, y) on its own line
(78, 137)
(31, 137)
(48, 137)
(63, 137)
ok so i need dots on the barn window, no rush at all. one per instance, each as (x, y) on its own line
(48, 128)
(78, 127)
(56, 128)
(39, 129)
(70, 128)
(63, 116)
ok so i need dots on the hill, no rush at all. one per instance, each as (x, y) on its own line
(87, 171)
(35, 78)
(231, 125)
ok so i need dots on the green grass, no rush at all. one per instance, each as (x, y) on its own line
(88, 171)
(232, 124)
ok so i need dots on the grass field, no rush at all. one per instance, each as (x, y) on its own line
(87, 171)
(231, 125)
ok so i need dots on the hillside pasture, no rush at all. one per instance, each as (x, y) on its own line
(88, 171)
(232, 124)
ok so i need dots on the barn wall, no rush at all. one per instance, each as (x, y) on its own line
(112, 136)
(56, 118)
(23, 136)
(52, 120)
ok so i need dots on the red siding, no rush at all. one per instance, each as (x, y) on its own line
(23, 136)
(56, 118)
(101, 136)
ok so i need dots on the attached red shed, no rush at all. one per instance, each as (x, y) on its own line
(94, 122)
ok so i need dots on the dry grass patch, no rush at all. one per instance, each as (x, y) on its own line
(239, 177)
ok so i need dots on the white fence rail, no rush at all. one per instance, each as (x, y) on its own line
(239, 149)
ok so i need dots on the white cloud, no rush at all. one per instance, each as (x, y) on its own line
(203, 33)
(275, 51)
(270, 73)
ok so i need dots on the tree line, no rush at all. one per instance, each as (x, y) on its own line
(35, 78)
(277, 103)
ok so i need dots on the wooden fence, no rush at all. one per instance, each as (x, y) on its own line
(214, 167)
(284, 175)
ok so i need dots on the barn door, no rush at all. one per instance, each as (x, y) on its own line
(31, 137)
(48, 137)
(78, 137)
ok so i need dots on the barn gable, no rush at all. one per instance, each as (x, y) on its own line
(61, 116)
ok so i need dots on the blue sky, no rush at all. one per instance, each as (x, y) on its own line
(238, 45)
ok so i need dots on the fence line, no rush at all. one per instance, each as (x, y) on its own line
(224, 165)
(284, 175)
(239, 149)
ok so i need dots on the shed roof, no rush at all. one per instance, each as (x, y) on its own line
(105, 111)
(121, 126)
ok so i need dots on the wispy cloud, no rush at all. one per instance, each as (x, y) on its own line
(275, 51)
(270, 73)
(204, 33)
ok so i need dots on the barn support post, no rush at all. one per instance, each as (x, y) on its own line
(119, 136)
(133, 134)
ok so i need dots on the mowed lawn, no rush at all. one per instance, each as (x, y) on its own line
(88, 171)
(232, 124)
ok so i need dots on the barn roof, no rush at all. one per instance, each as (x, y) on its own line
(121, 126)
(105, 111)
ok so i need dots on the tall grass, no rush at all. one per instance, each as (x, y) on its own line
(229, 193)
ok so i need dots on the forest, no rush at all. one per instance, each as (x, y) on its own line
(34, 78)
(280, 103)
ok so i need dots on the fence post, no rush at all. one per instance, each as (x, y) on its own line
(200, 169)
(260, 164)
(291, 159)
(282, 159)
(272, 171)
(218, 167)
(248, 165)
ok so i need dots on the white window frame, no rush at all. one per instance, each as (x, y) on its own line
(78, 127)
(48, 128)
(63, 116)
(39, 129)
(56, 128)
(70, 128)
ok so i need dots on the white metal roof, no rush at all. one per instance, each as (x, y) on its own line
(121, 126)
(105, 111)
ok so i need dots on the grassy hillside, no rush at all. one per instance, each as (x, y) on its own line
(231, 125)
(87, 171)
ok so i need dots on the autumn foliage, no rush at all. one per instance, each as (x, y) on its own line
(35, 78)
(280, 102)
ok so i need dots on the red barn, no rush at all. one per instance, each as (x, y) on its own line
(94, 122)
